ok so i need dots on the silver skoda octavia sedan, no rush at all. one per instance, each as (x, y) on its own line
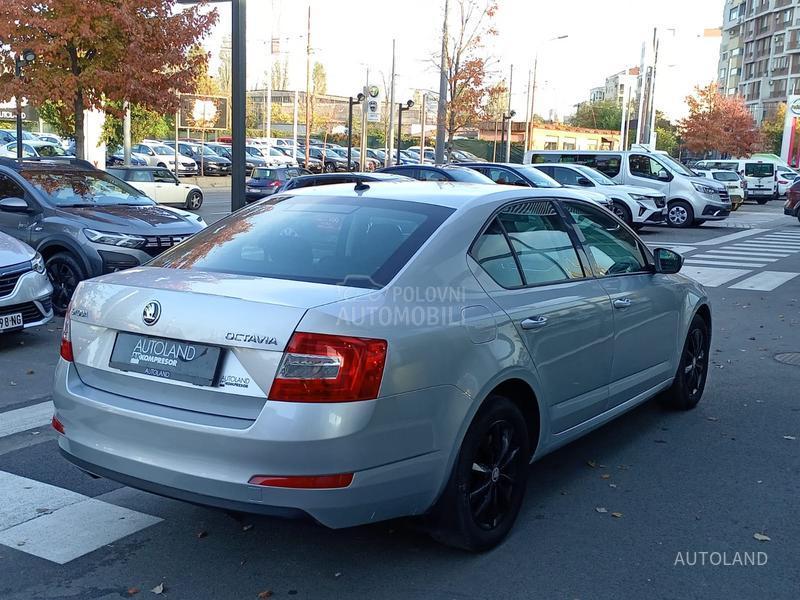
(358, 354)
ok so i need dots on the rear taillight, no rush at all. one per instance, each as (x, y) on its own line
(329, 368)
(309, 482)
(57, 425)
(66, 340)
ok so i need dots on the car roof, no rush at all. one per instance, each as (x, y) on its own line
(49, 163)
(508, 165)
(138, 168)
(450, 194)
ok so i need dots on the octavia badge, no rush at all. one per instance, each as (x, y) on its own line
(151, 312)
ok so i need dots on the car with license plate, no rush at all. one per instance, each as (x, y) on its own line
(355, 354)
(84, 221)
(161, 185)
(158, 154)
(731, 180)
(265, 181)
(24, 288)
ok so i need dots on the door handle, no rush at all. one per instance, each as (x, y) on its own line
(533, 323)
(622, 303)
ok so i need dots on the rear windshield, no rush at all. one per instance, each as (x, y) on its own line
(267, 173)
(759, 169)
(465, 175)
(357, 242)
(726, 176)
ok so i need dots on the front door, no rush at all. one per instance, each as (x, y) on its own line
(563, 316)
(646, 171)
(166, 189)
(15, 224)
(142, 180)
(645, 304)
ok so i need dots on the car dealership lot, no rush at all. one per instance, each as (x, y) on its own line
(702, 481)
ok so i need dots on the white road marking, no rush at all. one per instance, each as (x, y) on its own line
(22, 419)
(700, 261)
(768, 245)
(730, 237)
(712, 277)
(58, 524)
(766, 281)
(756, 253)
(782, 236)
(742, 257)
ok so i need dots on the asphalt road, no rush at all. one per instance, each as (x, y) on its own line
(684, 483)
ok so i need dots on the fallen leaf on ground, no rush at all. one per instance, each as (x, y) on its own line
(789, 437)
(761, 537)
(265, 594)
(712, 419)
(612, 485)
(601, 509)
(159, 589)
(247, 527)
(202, 534)
(30, 371)
(616, 515)
(591, 463)
(12, 383)
(337, 574)
(605, 476)
(133, 591)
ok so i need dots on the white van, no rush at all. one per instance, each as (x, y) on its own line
(761, 175)
(691, 200)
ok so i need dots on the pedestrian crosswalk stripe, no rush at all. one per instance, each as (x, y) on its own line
(724, 239)
(57, 524)
(765, 281)
(781, 236)
(742, 257)
(756, 253)
(699, 261)
(711, 276)
(22, 419)
(772, 242)
(778, 247)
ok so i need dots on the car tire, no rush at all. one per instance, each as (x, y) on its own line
(329, 167)
(692, 374)
(680, 214)
(483, 496)
(194, 200)
(623, 212)
(762, 200)
(65, 273)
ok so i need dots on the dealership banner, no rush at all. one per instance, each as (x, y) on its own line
(8, 112)
(203, 112)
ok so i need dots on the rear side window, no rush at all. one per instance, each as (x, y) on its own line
(493, 253)
(759, 169)
(726, 176)
(357, 242)
(431, 175)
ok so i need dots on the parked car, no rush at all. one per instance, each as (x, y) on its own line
(52, 138)
(299, 154)
(306, 400)
(462, 156)
(160, 155)
(277, 157)
(637, 206)
(115, 157)
(370, 164)
(691, 200)
(731, 180)
(529, 176)
(761, 176)
(87, 222)
(266, 180)
(26, 135)
(252, 155)
(208, 161)
(331, 161)
(334, 178)
(33, 148)
(161, 185)
(25, 291)
(437, 173)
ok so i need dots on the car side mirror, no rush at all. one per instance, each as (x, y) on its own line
(664, 176)
(13, 204)
(583, 181)
(667, 261)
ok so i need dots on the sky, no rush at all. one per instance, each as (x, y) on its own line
(349, 36)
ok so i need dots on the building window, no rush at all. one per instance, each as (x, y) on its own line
(568, 144)
(734, 71)
(735, 52)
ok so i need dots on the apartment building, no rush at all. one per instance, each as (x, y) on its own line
(616, 86)
(760, 53)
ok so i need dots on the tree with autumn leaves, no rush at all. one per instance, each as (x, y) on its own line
(718, 123)
(95, 54)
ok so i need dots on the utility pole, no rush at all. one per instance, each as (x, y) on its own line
(364, 124)
(510, 114)
(308, 85)
(532, 107)
(388, 160)
(641, 87)
(268, 126)
(239, 109)
(422, 119)
(624, 119)
(651, 139)
(294, 125)
(441, 113)
(527, 113)
(126, 136)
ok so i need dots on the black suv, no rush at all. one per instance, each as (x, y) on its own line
(84, 221)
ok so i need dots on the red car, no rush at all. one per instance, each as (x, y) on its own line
(792, 205)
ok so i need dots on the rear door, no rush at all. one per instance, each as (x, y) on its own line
(760, 176)
(563, 316)
(646, 171)
(645, 304)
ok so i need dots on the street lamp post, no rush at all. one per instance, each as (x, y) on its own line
(528, 125)
(507, 142)
(20, 61)
(358, 100)
(400, 110)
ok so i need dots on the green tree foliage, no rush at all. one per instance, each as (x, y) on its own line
(605, 114)
(667, 135)
(144, 124)
(772, 130)
(59, 116)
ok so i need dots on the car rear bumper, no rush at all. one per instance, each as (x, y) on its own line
(791, 212)
(399, 462)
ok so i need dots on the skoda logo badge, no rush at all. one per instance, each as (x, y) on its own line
(151, 312)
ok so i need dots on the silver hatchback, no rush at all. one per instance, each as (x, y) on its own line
(393, 349)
